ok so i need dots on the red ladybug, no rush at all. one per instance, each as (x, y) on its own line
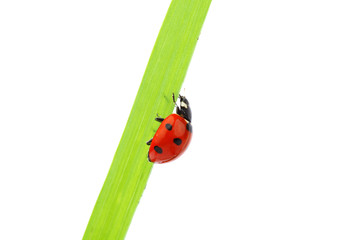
(173, 135)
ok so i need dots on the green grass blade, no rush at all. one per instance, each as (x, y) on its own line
(163, 76)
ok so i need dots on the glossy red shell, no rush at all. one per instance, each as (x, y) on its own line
(166, 145)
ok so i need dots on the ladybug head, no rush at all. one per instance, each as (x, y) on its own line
(184, 109)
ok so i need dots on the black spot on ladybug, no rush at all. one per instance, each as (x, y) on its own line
(158, 149)
(189, 127)
(177, 141)
(168, 126)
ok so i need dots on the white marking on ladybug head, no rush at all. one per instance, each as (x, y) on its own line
(184, 105)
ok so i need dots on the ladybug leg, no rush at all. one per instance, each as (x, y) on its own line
(174, 100)
(149, 142)
(159, 119)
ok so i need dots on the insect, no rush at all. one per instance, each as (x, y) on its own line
(173, 135)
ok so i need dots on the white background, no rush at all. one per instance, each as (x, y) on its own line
(274, 88)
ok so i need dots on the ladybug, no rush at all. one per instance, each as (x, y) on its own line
(173, 135)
